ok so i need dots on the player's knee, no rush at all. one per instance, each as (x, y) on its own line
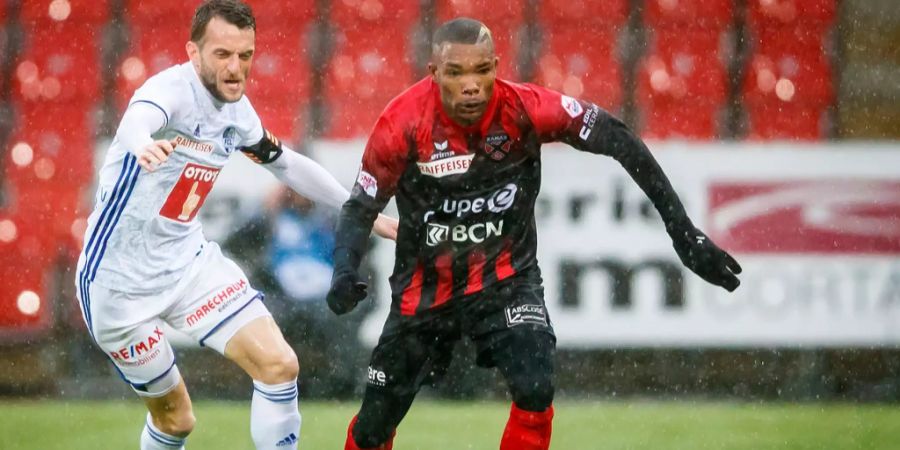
(176, 423)
(280, 367)
(532, 393)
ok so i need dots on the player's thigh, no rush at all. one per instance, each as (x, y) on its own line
(259, 348)
(127, 329)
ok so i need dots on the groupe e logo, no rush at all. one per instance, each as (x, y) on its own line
(497, 202)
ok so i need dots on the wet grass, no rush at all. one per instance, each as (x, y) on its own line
(50, 425)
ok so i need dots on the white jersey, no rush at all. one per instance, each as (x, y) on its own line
(144, 231)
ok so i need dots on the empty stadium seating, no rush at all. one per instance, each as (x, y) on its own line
(579, 52)
(371, 62)
(709, 14)
(59, 62)
(82, 12)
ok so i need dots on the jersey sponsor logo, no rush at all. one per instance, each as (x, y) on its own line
(497, 202)
(377, 377)
(228, 139)
(497, 146)
(218, 301)
(446, 166)
(590, 118)
(522, 314)
(189, 193)
(190, 144)
(572, 106)
(441, 151)
(140, 353)
(368, 183)
(477, 233)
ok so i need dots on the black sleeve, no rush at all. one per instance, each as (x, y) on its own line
(267, 150)
(353, 228)
(604, 134)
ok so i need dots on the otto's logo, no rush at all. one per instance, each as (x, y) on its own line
(572, 107)
(142, 348)
(189, 192)
(377, 377)
(367, 183)
(436, 233)
(497, 146)
(446, 166)
(522, 314)
(228, 139)
(190, 144)
(830, 216)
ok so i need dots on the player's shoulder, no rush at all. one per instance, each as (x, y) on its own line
(529, 94)
(410, 106)
(171, 83)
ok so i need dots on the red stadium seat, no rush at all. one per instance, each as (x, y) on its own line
(372, 62)
(285, 119)
(147, 56)
(80, 12)
(556, 13)
(173, 16)
(682, 84)
(53, 144)
(791, 69)
(581, 68)
(25, 302)
(777, 120)
(59, 63)
(505, 20)
(273, 12)
(780, 13)
(715, 14)
(281, 66)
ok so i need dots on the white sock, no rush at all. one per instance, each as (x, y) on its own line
(153, 439)
(274, 416)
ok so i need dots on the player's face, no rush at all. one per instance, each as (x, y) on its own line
(223, 59)
(465, 74)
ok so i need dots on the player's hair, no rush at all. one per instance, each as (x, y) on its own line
(234, 12)
(461, 30)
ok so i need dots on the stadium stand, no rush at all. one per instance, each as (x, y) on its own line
(371, 62)
(578, 66)
(787, 87)
(682, 80)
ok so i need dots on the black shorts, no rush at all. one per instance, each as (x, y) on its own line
(412, 353)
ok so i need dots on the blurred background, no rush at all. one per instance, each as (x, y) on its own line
(777, 120)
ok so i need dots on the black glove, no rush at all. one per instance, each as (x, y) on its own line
(347, 290)
(703, 257)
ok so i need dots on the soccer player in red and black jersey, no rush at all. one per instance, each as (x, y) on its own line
(461, 151)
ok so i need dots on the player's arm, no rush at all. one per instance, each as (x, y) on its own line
(382, 164)
(307, 177)
(140, 121)
(589, 128)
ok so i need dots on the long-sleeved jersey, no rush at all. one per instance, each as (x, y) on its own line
(466, 195)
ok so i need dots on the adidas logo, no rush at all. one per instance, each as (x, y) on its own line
(291, 439)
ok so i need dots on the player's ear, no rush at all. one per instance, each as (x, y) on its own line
(193, 51)
(432, 69)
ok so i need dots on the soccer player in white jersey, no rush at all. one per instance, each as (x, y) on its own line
(145, 259)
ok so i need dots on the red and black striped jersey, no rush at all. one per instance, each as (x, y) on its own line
(465, 195)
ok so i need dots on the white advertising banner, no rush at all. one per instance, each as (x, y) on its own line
(815, 227)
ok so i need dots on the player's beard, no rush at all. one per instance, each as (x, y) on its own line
(208, 78)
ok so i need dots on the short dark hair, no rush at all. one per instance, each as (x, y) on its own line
(461, 30)
(234, 12)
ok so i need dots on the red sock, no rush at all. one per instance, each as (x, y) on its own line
(350, 444)
(527, 430)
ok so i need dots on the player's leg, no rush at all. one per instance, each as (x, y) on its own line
(170, 419)
(223, 312)
(127, 330)
(519, 340)
(400, 364)
(259, 348)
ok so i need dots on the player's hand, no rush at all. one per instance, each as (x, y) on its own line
(347, 290)
(704, 258)
(154, 154)
(386, 227)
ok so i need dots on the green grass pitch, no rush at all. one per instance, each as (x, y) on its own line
(50, 425)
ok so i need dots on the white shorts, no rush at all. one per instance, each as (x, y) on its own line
(210, 304)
